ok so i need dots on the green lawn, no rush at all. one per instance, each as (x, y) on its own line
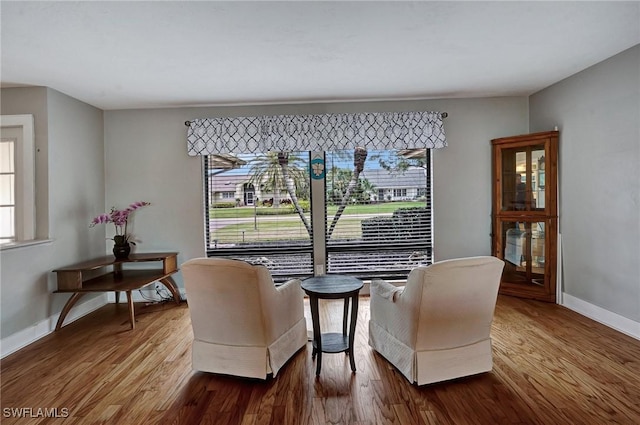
(381, 208)
(289, 227)
(285, 229)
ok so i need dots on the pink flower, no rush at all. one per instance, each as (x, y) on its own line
(119, 218)
(137, 205)
(102, 218)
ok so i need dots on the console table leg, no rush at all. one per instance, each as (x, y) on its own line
(65, 310)
(171, 285)
(131, 311)
(117, 297)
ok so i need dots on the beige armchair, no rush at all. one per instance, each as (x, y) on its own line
(243, 324)
(437, 327)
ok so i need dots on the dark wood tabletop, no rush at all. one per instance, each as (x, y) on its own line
(331, 286)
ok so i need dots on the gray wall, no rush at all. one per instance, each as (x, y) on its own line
(598, 115)
(146, 159)
(69, 188)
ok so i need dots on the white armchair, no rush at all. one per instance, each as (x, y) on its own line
(437, 327)
(243, 324)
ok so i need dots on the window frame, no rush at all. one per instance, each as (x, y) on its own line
(24, 184)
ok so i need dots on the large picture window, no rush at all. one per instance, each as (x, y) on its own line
(377, 213)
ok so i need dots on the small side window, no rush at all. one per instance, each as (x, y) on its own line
(17, 179)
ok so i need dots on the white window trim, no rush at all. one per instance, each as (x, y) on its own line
(25, 214)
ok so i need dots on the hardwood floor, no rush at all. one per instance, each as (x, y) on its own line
(551, 366)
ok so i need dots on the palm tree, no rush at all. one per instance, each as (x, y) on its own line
(277, 170)
(359, 157)
(265, 172)
(337, 186)
(367, 189)
(283, 161)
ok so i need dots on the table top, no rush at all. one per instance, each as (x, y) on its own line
(130, 280)
(331, 285)
(108, 260)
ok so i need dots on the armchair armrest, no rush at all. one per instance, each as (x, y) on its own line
(286, 286)
(285, 307)
(393, 311)
(385, 289)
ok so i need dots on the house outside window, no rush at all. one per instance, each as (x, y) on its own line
(228, 195)
(399, 193)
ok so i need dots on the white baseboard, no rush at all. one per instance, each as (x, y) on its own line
(599, 314)
(22, 338)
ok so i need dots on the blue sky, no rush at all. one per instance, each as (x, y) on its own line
(346, 161)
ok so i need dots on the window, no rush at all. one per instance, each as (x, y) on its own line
(7, 190)
(400, 193)
(378, 221)
(382, 226)
(268, 221)
(228, 195)
(17, 192)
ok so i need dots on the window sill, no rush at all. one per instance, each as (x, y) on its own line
(24, 244)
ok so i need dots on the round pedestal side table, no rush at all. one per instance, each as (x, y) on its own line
(333, 286)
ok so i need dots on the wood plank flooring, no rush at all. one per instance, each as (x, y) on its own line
(551, 366)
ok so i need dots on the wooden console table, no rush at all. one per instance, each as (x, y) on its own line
(81, 278)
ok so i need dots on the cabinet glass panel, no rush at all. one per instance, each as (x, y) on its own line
(521, 174)
(537, 167)
(523, 251)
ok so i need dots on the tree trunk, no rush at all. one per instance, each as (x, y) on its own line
(359, 157)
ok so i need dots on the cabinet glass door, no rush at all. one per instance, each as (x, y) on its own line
(524, 247)
(523, 251)
(521, 175)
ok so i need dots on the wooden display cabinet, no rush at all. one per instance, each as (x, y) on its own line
(525, 215)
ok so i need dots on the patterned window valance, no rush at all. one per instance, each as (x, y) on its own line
(286, 133)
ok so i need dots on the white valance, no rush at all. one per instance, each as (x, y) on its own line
(287, 133)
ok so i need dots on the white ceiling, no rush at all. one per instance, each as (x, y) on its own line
(119, 55)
